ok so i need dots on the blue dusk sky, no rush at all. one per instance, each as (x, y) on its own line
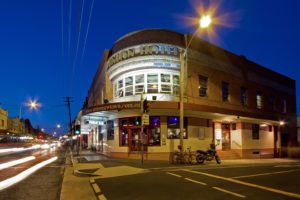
(41, 57)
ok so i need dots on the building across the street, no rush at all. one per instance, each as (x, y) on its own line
(245, 109)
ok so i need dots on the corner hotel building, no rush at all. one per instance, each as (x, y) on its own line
(247, 110)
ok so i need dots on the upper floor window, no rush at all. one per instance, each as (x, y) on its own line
(139, 83)
(259, 100)
(120, 89)
(225, 92)
(176, 84)
(152, 80)
(202, 86)
(167, 83)
(244, 96)
(129, 86)
(165, 80)
(271, 102)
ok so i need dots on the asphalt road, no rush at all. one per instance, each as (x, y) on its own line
(264, 181)
(43, 184)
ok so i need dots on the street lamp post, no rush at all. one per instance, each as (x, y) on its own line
(204, 22)
(32, 105)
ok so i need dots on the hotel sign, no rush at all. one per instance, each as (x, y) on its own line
(142, 50)
(113, 106)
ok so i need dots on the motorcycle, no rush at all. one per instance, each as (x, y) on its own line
(209, 155)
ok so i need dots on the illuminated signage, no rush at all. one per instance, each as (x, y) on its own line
(146, 49)
(113, 106)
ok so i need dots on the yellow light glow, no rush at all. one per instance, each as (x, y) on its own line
(281, 123)
(210, 18)
(205, 21)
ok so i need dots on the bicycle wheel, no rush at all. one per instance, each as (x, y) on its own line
(193, 159)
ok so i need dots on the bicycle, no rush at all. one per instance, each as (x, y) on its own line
(189, 157)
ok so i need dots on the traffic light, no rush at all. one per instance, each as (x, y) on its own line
(77, 129)
(145, 106)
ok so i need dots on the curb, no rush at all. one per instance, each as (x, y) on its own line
(97, 190)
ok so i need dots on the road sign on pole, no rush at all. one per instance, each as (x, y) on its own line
(145, 119)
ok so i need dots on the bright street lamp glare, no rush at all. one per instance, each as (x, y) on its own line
(33, 105)
(58, 126)
(205, 21)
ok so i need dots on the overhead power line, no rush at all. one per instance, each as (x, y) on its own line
(87, 31)
(70, 25)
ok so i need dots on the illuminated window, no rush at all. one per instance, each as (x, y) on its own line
(173, 125)
(176, 88)
(154, 131)
(225, 92)
(129, 86)
(152, 80)
(139, 83)
(120, 92)
(165, 80)
(259, 100)
(244, 96)
(202, 86)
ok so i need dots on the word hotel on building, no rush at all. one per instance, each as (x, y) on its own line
(246, 110)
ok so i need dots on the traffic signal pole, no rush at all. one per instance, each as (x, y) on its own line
(142, 128)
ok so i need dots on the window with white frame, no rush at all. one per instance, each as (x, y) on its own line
(120, 91)
(129, 86)
(165, 80)
(176, 88)
(139, 83)
(152, 83)
(165, 83)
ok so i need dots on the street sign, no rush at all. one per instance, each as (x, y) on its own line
(145, 119)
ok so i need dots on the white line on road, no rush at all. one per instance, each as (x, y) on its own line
(264, 174)
(174, 174)
(194, 181)
(19, 177)
(15, 162)
(247, 184)
(101, 197)
(96, 188)
(229, 192)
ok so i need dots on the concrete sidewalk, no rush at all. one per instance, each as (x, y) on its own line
(89, 165)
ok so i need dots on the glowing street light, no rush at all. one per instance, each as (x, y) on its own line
(58, 126)
(205, 21)
(33, 105)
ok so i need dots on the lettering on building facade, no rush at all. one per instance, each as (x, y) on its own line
(141, 50)
(113, 106)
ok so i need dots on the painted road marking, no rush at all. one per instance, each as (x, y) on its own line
(247, 184)
(229, 192)
(174, 174)
(101, 197)
(264, 174)
(96, 188)
(194, 181)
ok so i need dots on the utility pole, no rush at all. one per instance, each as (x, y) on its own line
(68, 101)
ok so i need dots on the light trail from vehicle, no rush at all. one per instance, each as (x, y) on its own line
(16, 162)
(15, 179)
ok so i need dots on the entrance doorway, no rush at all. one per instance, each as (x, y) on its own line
(225, 137)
